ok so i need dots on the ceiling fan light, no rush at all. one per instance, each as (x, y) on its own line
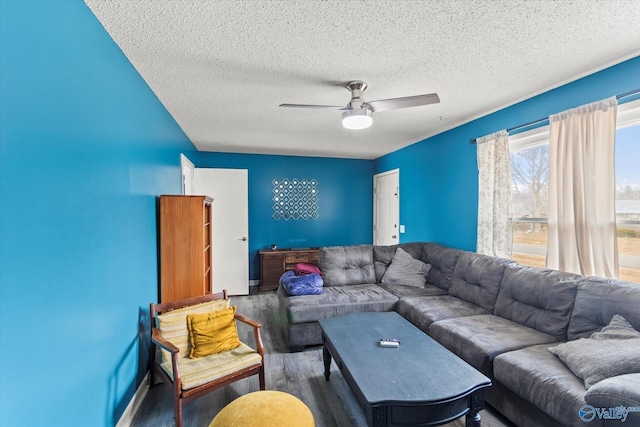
(357, 119)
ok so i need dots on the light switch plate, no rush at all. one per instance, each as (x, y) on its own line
(401, 228)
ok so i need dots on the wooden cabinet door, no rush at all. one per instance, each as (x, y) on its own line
(271, 268)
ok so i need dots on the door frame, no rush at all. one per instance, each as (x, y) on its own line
(185, 164)
(376, 177)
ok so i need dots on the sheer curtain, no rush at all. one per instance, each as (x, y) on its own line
(582, 222)
(494, 195)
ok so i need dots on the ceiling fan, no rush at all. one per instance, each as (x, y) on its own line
(357, 113)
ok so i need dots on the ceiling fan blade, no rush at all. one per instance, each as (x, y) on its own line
(405, 102)
(317, 107)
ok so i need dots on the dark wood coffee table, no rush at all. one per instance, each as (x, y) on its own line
(418, 383)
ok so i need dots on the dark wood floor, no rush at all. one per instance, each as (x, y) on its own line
(300, 374)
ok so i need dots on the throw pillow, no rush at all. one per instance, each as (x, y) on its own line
(618, 328)
(406, 270)
(612, 351)
(212, 333)
(308, 284)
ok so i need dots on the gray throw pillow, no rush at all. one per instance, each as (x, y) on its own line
(613, 351)
(618, 328)
(406, 270)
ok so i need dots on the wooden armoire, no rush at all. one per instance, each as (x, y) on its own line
(185, 247)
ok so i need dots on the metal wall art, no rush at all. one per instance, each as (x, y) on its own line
(295, 199)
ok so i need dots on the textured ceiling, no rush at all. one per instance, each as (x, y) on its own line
(221, 68)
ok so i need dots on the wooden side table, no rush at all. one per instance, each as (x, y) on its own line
(273, 264)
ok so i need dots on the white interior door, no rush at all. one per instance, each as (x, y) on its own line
(386, 208)
(230, 217)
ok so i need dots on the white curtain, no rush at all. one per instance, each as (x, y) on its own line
(582, 222)
(494, 195)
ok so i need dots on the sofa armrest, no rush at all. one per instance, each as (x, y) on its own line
(622, 390)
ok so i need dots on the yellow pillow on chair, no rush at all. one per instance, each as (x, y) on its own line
(212, 333)
(173, 325)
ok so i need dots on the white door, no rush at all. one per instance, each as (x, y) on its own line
(386, 208)
(187, 175)
(230, 217)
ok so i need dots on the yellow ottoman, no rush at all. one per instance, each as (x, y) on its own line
(266, 408)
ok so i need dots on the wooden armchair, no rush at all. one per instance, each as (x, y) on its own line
(192, 378)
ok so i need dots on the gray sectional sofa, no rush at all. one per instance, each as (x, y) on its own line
(497, 315)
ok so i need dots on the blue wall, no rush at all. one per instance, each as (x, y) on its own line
(345, 200)
(439, 176)
(85, 148)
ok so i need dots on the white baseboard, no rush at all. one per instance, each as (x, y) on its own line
(134, 404)
(254, 282)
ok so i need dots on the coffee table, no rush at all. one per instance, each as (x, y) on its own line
(418, 383)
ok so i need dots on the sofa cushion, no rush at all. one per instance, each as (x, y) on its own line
(597, 300)
(539, 298)
(478, 339)
(347, 265)
(615, 350)
(540, 378)
(612, 392)
(477, 278)
(423, 311)
(196, 372)
(338, 300)
(443, 262)
(406, 270)
(405, 291)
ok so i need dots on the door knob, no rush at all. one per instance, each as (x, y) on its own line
(244, 239)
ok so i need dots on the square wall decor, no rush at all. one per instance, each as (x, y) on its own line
(295, 199)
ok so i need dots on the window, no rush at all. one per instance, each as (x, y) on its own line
(529, 193)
